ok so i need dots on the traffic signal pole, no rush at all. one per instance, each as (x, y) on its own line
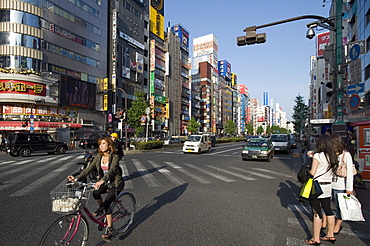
(339, 62)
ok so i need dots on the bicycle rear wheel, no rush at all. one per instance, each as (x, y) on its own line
(60, 232)
(123, 211)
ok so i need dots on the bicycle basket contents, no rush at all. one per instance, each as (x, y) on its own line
(68, 200)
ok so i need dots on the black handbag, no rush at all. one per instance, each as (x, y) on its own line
(316, 190)
(304, 174)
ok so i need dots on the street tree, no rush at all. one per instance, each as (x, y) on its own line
(249, 128)
(135, 112)
(259, 130)
(230, 127)
(193, 126)
(300, 114)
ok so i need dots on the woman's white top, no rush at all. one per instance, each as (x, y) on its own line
(325, 178)
(341, 183)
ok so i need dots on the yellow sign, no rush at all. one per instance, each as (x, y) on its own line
(156, 24)
(105, 102)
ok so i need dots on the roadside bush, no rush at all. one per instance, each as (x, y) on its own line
(153, 144)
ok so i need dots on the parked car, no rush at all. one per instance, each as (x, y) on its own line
(24, 144)
(89, 143)
(258, 148)
(281, 142)
(171, 140)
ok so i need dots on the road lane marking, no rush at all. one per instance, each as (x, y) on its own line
(299, 208)
(200, 179)
(6, 162)
(23, 177)
(254, 173)
(268, 171)
(45, 179)
(232, 173)
(217, 176)
(167, 173)
(149, 179)
(126, 175)
(228, 150)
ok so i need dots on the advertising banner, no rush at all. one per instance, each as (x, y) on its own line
(156, 24)
(323, 39)
(22, 87)
(183, 35)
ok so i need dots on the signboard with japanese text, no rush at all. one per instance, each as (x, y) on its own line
(323, 39)
(22, 87)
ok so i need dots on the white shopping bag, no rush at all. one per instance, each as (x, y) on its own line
(350, 207)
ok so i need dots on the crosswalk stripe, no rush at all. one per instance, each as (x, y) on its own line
(23, 177)
(254, 173)
(45, 179)
(20, 162)
(232, 173)
(126, 175)
(200, 179)
(228, 150)
(6, 162)
(217, 176)
(299, 208)
(167, 173)
(15, 170)
(269, 171)
(147, 176)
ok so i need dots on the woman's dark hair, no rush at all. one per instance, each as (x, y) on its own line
(338, 143)
(111, 148)
(325, 144)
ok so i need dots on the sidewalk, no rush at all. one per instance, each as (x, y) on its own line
(364, 197)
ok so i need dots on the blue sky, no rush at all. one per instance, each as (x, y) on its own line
(280, 66)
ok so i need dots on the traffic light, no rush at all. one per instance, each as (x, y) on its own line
(251, 37)
(122, 114)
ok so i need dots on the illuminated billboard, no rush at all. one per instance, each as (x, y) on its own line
(224, 69)
(323, 39)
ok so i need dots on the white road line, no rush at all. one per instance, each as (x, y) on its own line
(268, 171)
(167, 173)
(15, 170)
(254, 173)
(45, 179)
(126, 175)
(6, 162)
(232, 173)
(7, 184)
(20, 162)
(147, 176)
(200, 179)
(217, 176)
(228, 150)
(299, 208)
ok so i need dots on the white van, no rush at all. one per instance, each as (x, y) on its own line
(197, 144)
(281, 142)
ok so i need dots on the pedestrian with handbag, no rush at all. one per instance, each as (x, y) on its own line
(324, 164)
(342, 183)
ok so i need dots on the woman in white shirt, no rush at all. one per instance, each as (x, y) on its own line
(324, 164)
(341, 184)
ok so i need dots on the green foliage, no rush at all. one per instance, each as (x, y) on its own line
(228, 140)
(300, 113)
(193, 126)
(230, 127)
(249, 128)
(136, 111)
(268, 130)
(278, 130)
(259, 130)
(153, 144)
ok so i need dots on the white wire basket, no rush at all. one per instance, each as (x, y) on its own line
(65, 200)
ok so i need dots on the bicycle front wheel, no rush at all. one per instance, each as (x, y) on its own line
(123, 211)
(64, 231)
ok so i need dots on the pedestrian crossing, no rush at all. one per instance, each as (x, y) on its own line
(152, 173)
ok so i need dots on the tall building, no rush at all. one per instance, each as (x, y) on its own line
(52, 57)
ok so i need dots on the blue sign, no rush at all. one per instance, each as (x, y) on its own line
(354, 52)
(354, 102)
(32, 116)
(354, 89)
(32, 128)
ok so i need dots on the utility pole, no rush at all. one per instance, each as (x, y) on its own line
(339, 62)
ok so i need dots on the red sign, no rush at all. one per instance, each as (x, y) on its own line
(323, 39)
(22, 87)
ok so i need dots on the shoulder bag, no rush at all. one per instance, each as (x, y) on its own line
(342, 168)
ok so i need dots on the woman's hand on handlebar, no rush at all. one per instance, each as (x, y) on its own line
(71, 179)
(98, 184)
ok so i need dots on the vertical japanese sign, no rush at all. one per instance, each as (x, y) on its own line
(114, 47)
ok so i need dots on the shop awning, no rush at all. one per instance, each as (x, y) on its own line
(37, 125)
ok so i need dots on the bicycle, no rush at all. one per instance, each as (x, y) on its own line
(73, 226)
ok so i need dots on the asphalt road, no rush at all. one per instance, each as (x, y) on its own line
(182, 199)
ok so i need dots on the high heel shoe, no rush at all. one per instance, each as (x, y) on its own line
(312, 242)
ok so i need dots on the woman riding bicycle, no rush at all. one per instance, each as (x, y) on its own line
(110, 179)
